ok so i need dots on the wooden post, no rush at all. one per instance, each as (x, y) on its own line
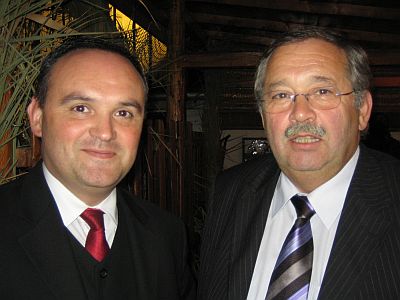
(6, 151)
(176, 107)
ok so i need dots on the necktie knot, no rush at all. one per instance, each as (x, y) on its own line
(96, 242)
(94, 218)
(303, 207)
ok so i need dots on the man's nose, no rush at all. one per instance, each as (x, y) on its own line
(104, 128)
(302, 109)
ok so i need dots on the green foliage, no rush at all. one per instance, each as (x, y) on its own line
(23, 45)
(19, 59)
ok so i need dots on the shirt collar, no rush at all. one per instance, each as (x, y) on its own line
(71, 207)
(327, 200)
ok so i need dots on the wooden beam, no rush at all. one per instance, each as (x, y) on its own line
(233, 21)
(393, 81)
(176, 101)
(274, 26)
(176, 108)
(315, 7)
(238, 37)
(384, 57)
(221, 60)
(251, 59)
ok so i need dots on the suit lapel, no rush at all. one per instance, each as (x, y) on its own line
(250, 219)
(144, 245)
(365, 217)
(48, 247)
(47, 244)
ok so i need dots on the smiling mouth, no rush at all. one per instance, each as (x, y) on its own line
(100, 153)
(305, 139)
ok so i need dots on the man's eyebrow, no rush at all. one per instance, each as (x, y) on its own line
(274, 85)
(324, 79)
(76, 97)
(133, 103)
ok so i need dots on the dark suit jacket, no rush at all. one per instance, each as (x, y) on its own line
(365, 259)
(36, 260)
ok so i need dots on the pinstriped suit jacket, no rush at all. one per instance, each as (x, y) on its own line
(365, 259)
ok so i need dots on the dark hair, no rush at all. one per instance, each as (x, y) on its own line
(77, 43)
(359, 72)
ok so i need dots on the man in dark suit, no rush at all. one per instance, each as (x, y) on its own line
(320, 217)
(68, 231)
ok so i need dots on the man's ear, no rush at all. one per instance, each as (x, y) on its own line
(365, 111)
(35, 113)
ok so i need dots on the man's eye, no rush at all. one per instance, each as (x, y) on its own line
(324, 91)
(280, 96)
(80, 108)
(124, 114)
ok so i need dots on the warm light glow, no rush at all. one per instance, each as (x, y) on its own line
(123, 22)
(142, 36)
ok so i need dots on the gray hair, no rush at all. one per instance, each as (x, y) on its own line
(359, 72)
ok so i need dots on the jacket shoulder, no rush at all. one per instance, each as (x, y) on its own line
(248, 173)
(10, 193)
(372, 158)
(149, 213)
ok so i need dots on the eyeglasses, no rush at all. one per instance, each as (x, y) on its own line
(324, 98)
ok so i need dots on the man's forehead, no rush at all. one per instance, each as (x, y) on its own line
(309, 46)
(312, 56)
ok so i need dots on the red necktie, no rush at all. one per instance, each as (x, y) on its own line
(96, 242)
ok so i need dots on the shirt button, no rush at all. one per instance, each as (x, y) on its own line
(103, 273)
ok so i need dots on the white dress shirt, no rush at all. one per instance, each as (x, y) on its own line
(70, 208)
(327, 200)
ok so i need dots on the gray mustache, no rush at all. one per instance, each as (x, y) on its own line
(304, 128)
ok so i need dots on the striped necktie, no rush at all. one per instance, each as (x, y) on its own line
(291, 276)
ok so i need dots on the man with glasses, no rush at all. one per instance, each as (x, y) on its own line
(320, 218)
